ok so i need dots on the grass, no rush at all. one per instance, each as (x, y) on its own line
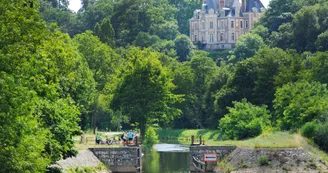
(91, 144)
(96, 169)
(213, 138)
(180, 133)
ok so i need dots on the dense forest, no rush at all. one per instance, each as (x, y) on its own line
(130, 64)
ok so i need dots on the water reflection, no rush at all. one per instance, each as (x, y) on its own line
(168, 158)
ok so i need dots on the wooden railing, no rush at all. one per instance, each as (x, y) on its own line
(192, 140)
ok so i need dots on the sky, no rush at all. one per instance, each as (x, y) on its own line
(75, 5)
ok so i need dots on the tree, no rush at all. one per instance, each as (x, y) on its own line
(193, 79)
(49, 83)
(183, 47)
(146, 95)
(307, 28)
(105, 32)
(95, 11)
(247, 46)
(22, 146)
(244, 120)
(300, 102)
(321, 42)
(167, 30)
(283, 38)
(67, 21)
(185, 12)
(145, 40)
(106, 67)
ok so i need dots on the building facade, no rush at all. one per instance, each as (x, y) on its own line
(221, 22)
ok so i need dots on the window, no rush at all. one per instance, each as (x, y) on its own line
(221, 36)
(203, 25)
(211, 38)
(211, 25)
(222, 25)
(233, 36)
(195, 37)
(232, 24)
(196, 25)
(222, 46)
(246, 24)
(241, 24)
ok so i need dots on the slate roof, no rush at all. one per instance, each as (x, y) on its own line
(250, 4)
(212, 4)
(253, 3)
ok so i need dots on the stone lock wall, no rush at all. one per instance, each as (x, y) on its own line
(127, 159)
(198, 152)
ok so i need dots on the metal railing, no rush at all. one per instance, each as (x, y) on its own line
(198, 164)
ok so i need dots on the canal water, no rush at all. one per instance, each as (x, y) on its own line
(167, 158)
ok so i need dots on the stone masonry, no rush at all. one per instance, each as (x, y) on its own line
(198, 152)
(127, 159)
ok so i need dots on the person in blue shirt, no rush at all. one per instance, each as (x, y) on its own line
(130, 135)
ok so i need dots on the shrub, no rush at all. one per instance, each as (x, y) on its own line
(321, 137)
(150, 138)
(244, 120)
(263, 160)
(309, 130)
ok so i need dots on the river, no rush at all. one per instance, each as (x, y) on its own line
(167, 158)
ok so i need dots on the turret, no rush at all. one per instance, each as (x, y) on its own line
(204, 6)
(221, 4)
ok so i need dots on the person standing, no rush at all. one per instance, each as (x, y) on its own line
(130, 135)
(98, 138)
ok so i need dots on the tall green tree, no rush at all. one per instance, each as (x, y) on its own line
(105, 32)
(47, 65)
(146, 95)
(184, 47)
(247, 46)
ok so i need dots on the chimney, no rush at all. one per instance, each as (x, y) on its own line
(221, 4)
(243, 6)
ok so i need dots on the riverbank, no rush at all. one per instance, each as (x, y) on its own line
(213, 138)
(271, 160)
(269, 140)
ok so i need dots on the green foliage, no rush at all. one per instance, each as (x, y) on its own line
(321, 137)
(105, 32)
(263, 160)
(300, 102)
(150, 138)
(321, 42)
(22, 146)
(167, 30)
(309, 130)
(184, 47)
(50, 85)
(247, 45)
(146, 95)
(244, 120)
